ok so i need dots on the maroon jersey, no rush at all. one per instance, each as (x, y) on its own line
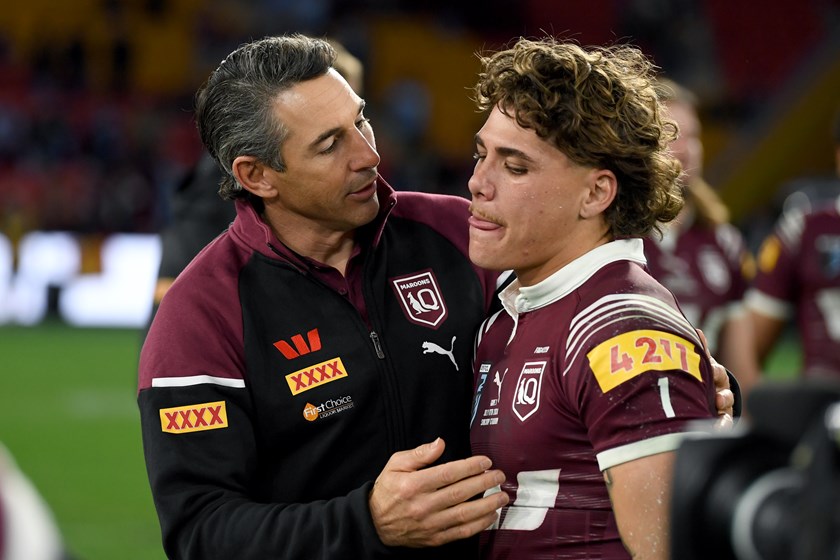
(593, 367)
(704, 267)
(799, 275)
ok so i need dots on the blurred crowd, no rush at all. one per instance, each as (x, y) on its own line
(96, 121)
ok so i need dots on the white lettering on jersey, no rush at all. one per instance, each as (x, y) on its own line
(536, 492)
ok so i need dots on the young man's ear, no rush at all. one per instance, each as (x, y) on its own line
(601, 193)
(251, 174)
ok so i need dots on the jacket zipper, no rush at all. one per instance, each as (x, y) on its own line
(378, 347)
(373, 336)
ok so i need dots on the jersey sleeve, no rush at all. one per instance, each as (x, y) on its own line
(773, 291)
(639, 375)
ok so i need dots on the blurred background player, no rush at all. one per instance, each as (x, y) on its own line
(198, 212)
(798, 278)
(28, 529)
(701, 257)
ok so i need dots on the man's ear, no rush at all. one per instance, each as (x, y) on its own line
(252, 174)
(603, 188)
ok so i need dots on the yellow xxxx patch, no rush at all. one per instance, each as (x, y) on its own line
(194, 418)
(314, 376)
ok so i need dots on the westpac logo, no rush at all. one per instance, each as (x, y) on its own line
(316, 376)
(420, 298)
(301, 347)
(194, 418)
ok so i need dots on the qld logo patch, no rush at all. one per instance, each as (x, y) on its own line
(714, 271)
(421, 299)
(526, 396)
(194, 418)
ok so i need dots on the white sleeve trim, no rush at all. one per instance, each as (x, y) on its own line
(763, 304)
(736, 309)
(639, 449)
(197, 380)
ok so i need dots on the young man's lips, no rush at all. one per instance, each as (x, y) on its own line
(482, 224)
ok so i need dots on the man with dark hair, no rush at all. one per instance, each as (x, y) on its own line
(285, 369)
(198, 212)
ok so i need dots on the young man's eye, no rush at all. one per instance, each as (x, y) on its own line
(477, 156)
(516, 170)
(362, 122)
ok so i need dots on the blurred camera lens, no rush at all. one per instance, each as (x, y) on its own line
(767, 492)
(761, 521)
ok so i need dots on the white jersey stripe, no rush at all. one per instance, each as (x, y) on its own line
(603, 325)
(614, 301)
(618, 304)
(599, 316)
(197, 380)
(671, 320)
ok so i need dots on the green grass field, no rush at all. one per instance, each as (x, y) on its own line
(68, 415)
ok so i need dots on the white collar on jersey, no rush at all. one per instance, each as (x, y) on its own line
(521, 299)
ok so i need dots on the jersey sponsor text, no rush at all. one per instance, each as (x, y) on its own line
(194, 418)
(630, 354)
(315, 376)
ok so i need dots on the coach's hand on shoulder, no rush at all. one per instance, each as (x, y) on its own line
(724, 397)
(415, 505)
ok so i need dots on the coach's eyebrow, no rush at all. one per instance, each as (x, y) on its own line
(335, 130)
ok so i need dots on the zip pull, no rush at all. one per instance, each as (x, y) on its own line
(375, 339)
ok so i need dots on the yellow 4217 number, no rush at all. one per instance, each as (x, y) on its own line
(627, 355)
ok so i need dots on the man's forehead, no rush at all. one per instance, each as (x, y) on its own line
(311, 107)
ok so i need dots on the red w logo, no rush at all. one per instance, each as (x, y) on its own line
(300, 345)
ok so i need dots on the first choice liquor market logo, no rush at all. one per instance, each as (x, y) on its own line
(327, 408)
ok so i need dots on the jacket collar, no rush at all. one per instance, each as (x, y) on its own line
(521, 299)
(249, 229)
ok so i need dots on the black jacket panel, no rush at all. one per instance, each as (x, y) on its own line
(269, 405)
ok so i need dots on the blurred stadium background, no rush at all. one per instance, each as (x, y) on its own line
(96, 129)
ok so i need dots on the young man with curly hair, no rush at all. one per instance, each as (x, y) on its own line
(589, 378)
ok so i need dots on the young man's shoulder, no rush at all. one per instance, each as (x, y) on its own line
(624, 295)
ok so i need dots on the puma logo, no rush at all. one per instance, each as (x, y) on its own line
(497, 380)
(432, 348)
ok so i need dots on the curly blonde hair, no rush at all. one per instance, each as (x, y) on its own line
(599, 107)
